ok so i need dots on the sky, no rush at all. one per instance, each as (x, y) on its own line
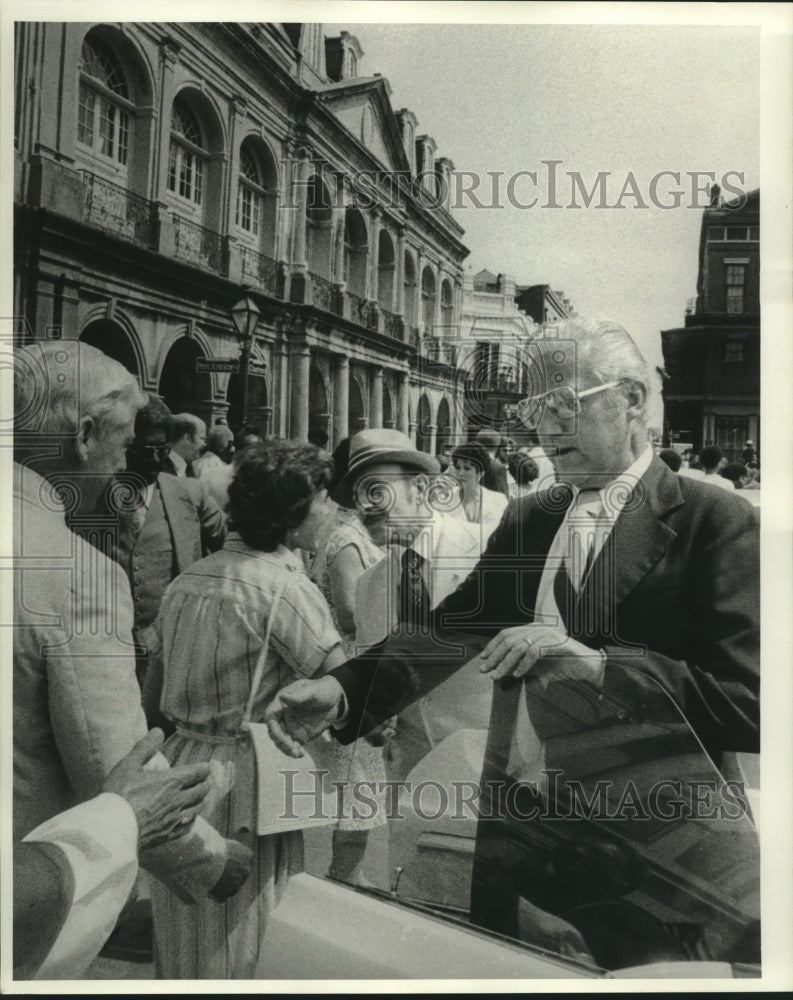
(630, 100)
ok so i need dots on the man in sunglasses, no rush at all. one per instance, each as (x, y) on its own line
(164, 523)
(622, 596)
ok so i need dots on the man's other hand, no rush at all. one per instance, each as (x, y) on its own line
(303, 710)
(165, 802)
(546, 650)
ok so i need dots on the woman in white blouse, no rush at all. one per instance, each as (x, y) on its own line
(477, 503)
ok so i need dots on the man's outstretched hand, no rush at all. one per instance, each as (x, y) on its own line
(303, 710)
(165, 802)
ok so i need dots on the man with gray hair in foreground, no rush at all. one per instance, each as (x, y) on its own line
(77, 708)
(623, 589)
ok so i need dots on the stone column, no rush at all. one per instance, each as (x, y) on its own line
(339, 216)
(341, 399)
(433, 438)
(399, 277)
(301, 362)
(376, 399)
(402, 405)
(285, 216)
(282, 402)
(169, 56)
(438, 331)
(300, 175)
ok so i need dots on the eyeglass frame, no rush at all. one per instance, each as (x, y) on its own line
(150, 450)
(577, 396)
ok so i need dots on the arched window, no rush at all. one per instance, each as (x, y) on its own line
(105, 110)
(187, 161)
(251, 192)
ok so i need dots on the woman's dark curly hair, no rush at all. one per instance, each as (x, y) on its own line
(475, 454)
(272, 490)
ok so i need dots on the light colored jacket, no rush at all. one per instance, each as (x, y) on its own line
(77, 704)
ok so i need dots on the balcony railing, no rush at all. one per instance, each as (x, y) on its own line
(117, 210)
(391, 325)
(197, 244)
(438, 350)
(323, 294)
(259, 270)
(363, 311)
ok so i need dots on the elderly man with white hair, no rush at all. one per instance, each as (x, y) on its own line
(617, 611)
(77, 707)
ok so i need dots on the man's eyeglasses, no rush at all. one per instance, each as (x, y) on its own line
(563, 402)
(150, 451)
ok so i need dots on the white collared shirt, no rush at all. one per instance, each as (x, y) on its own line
(614, 497)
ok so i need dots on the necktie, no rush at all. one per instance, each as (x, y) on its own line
(190, 472)
(583, 525)
(414, 598)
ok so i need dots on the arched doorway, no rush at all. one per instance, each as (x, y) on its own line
(183, 388)
(113, 341)
(318, 408)
(356, 414)
(444, 422)
(423, 431)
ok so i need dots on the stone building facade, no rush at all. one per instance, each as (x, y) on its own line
(712, 392)
(164, 170)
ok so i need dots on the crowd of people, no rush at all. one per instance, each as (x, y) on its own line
(177, 579)
(713, 468)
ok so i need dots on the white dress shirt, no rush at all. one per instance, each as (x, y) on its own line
(614, 496)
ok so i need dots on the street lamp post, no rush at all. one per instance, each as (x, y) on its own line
(245, 316)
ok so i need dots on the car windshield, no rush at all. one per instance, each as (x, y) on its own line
(593, 827)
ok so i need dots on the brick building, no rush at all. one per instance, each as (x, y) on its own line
(712, 394)
(163, 170)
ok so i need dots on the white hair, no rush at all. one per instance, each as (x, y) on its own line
(186, 423)
(606, 349)
(58, 382)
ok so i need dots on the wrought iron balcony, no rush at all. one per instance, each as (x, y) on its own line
(259, 270)
(392, 326)
(362, 311)
(434, 349)
(116, 210)
(324, 294)
(197, 244)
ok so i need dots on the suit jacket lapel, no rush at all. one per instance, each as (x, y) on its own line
(638, 540)
(170, 505)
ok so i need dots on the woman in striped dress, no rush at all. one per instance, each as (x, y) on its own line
(209, 635)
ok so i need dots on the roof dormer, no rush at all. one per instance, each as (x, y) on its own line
(407, 122)
(425, 162)
(342, 55)
(443, 170)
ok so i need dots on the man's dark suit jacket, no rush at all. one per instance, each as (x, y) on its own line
(677, 609)
(683, 601)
